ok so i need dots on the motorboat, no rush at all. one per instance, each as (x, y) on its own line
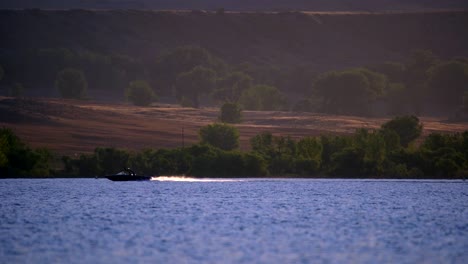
(127, 175)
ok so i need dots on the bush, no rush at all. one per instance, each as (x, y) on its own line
(348, 162)
(140, 93)
(228, 164)
(194, 83)
(307, 167)
(408, 128)
(350, 91)
(18, 159)
(222, 136)
(397, 171)
(262, 143)
(446, 167)
(204, 157)
(254, 165)
(71, 83)
(231, 113)
(263, 98)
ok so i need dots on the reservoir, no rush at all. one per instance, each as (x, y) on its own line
(183, 220)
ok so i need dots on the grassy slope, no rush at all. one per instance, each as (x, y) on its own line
(70, 127)
(322, 40)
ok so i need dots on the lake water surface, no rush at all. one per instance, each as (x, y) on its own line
(233, 221)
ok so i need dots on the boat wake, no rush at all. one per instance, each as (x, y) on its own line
(190, 179)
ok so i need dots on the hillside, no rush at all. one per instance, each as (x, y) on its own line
(322, 5)
(322, 41)
(70, 127)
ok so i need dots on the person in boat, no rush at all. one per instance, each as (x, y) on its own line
(129, 171)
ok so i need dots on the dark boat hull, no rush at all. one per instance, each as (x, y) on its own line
(128, 178)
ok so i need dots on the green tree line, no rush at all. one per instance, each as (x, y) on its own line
(423, 84)
(393, 151)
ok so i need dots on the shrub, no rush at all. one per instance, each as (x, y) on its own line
(192, 84)
(262, 143)
(263, 98)
(231, 113)
(408, 128)
(222, 136)
(71, 83)
(18, 159)
(397, 171)
(140, 93)
(348, 162)
(306, 167)
(254, 165)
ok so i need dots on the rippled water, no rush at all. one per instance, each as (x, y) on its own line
(261, 221)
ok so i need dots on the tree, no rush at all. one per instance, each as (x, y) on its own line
(263, 98)
(262, 143)
(230, 87)
(372, 147)
(169, 66)
(192, 84)
(254, 165)
(71, 83)
(394, 71)
(222, 136)
(416, 77)
(448, 82)
(377, 82)
(347, 162)
(397, 98)
(231, 113)
(140, 93)
(309, 155)
(346, 92)
(408, 128)
(18, 159)
(110, 160)
(350, 91)
(310, 148)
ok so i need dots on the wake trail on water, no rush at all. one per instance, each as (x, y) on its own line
(190, 179)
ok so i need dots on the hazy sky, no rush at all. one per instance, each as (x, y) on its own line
(331, 5)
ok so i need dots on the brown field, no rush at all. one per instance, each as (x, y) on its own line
(70, 127)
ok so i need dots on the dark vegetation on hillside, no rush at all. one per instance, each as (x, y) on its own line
(359, 64)
(389, 152)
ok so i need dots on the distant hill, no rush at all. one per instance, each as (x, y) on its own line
(322, 40)
(309, 5)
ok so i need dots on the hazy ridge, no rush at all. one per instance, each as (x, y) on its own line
(320, 40)
(318, 5)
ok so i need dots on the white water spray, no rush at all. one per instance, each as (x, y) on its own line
(190, 179)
